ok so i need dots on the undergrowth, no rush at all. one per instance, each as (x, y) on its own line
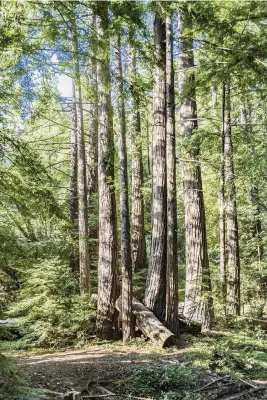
(242, 354)
(161, 382)
(50, 310)
(12, 383)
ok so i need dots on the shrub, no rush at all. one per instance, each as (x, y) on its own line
(51, 311)
(161, 381)
(12, 382)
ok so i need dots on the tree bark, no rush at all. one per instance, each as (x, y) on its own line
(74, 258)
(92, 122)
(126, 257)
(232, 239)
(139, 256)
(155, 295)
(221, 204)
(260, 300)
(172, 268)
(107, 259)
(198, 299)
(85, 284)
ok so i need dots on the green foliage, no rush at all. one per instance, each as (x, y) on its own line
(49, 308)
(240, 353)
(12, 382)
(161, 381)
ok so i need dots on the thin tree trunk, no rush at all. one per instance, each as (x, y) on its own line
(92, 121)
(221, 204)
(74, 258)
(172, 268)
(107, 261)
(155, 296)
(128, 328)
(232, 240)
(85, 284)
(139, 256)
(148, 143)
(198, 299)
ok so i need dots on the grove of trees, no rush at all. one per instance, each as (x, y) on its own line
(133, 162)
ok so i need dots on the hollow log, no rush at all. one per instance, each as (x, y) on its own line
(149, 325)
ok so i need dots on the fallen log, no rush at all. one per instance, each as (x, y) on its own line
(149, 325)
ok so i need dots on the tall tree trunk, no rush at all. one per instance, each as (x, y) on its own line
(107, 259)
(232, 240)
(221, 204)
(155, 296)
(126, 257)
(91, 171)
(172, 268)
(139, 256)
(198, 299)
(92, 121)
(85, 284)
(74, 258)
(260, 300)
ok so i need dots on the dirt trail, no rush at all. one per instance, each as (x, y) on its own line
(73, 370)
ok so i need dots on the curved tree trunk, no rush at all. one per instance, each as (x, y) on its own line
(85, 284)
(198, 300)
(172, 268)
(139, 256)
(232, 239)
(155, 296)
(107, 259)
(126, 257)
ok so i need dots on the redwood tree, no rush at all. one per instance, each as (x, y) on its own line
(232, 238)
(139, 256)
(74, 258)
(198, 300)
(126, 258)
(107, 258)
(172, 269)
(85, 284)
(155, 296)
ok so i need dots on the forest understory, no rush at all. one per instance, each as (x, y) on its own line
(220, 365)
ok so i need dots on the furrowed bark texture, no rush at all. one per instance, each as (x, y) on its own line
(93, 111)
(155, 296)
(74, 257)
(138, 231)
(258, 305)
(221, 204)
(232, 239)
(171, 317)
(126, 257)
(85, 284)
(107, 261)
(198, 300)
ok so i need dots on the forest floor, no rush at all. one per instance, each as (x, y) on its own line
(225, 370)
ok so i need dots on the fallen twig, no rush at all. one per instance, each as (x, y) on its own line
(248, 384)
(101, 396)
(105, 391)
(211, 383)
